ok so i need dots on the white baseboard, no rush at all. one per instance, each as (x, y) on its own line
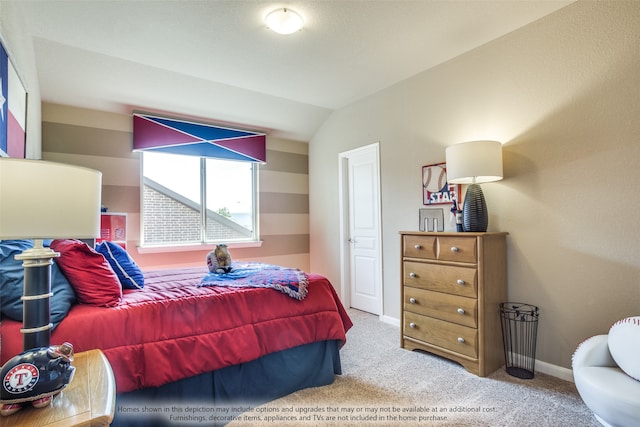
(542, 367)
(554, 370)
(390, 320)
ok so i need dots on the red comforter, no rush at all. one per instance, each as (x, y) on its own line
(173, 329)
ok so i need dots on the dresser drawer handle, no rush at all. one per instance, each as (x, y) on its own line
(461, 340)
(460, 282)
(418, 247)
(413, 275)
(454, 249)
(461, 311)
(412, 325)
(412, 300)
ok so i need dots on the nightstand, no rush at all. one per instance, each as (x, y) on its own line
(89, 400)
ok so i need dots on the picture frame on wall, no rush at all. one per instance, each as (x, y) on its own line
(436, 190)
(13, 109)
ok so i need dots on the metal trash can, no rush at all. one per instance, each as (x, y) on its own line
(519, 332)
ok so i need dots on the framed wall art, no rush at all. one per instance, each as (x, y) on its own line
(435, 188)
(13, 109)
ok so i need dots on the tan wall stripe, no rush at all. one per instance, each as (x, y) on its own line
(284, 203)
(271, 224)
(64, 138)
(115, 171)
(286, 162)
(287, 145)
(278, 245)
(56, 113)
(284, 182)
(121, 199)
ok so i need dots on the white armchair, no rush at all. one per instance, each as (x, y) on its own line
(607, 389)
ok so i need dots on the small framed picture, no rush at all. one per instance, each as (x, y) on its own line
(435, 188)
(431, 219)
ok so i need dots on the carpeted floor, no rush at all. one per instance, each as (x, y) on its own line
(384, 385)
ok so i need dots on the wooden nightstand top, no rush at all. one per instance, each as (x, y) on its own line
(89, 400)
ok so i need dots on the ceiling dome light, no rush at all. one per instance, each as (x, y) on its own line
(284, 21)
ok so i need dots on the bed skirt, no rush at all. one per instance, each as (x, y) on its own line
(214, 398)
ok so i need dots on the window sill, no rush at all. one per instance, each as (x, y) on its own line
(195, 247)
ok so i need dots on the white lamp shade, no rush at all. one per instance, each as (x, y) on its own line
(284, 21)
(45, 200)
(474, 162)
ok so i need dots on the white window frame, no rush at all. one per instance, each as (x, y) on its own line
(253, 241)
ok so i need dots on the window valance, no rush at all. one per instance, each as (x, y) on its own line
(152, 133)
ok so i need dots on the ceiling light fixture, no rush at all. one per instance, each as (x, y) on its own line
(284, 21)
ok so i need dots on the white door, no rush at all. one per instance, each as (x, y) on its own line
(362, 262)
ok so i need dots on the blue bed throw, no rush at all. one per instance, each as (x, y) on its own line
(290, 281)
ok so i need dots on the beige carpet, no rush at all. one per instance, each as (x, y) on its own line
(384, 385)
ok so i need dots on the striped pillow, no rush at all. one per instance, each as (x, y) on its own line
(128, 272)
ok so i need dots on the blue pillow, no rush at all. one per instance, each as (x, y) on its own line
(125, 267)
(12, 283)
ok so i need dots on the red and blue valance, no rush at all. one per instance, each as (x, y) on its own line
(158, 134)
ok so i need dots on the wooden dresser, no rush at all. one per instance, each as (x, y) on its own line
(452, 287)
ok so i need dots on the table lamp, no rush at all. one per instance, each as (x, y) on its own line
(473, 163)
(45, 200)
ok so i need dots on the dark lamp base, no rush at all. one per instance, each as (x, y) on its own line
(475, 216)
(36, 324)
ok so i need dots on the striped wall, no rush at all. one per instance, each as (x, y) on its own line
(103, 141)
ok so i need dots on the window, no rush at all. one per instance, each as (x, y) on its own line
(190, 200)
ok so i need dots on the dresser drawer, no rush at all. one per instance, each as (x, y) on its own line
(452, 308)
(459, 249)
(441, 278)
(460, 339)
(419, 247)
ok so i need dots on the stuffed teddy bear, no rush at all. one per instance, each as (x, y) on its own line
(219, 260)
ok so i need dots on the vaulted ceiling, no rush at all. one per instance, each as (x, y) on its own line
(216, 60)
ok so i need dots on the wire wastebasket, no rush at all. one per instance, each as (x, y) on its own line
(519, 332)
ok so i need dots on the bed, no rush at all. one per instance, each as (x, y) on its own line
(173, 341)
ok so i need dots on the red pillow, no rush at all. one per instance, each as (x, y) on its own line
(89, 273)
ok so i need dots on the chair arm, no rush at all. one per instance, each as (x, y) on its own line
(593, 351)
